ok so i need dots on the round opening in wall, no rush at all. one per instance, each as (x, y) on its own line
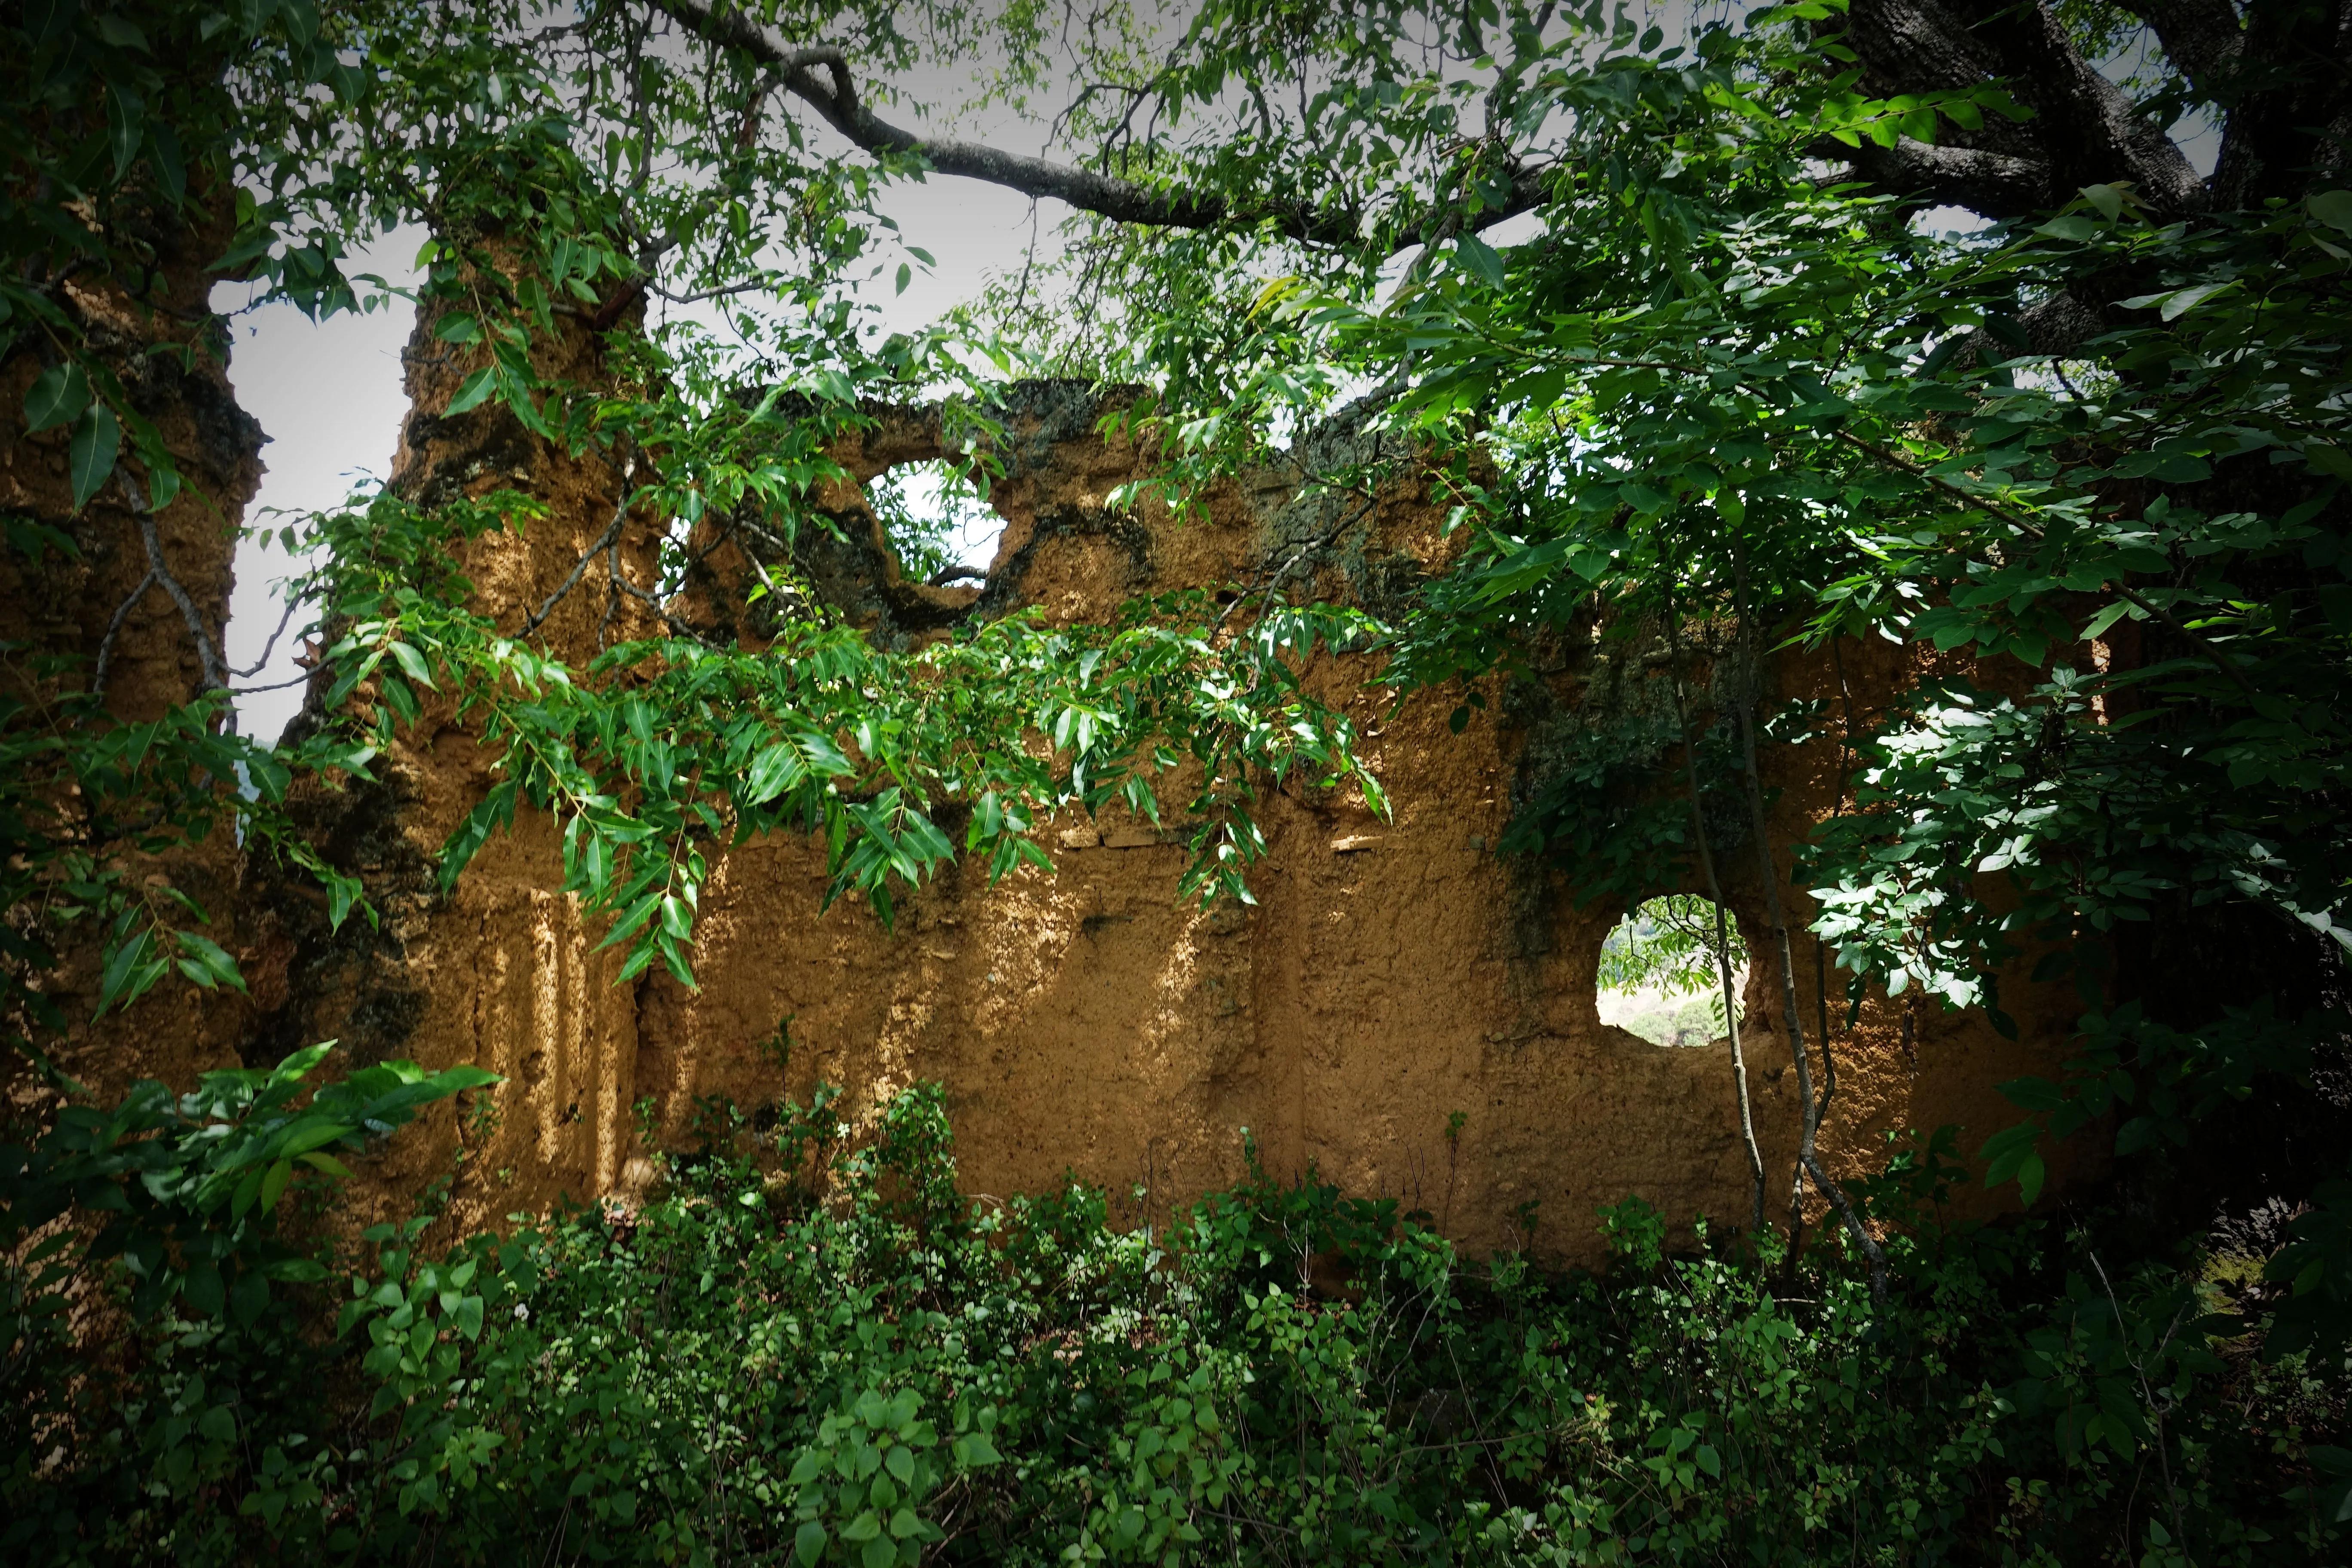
(941, 527)
(1661, 974)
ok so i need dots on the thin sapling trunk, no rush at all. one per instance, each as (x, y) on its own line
(1811, 1110)
(1722, 931)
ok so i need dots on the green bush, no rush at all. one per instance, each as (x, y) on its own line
(808, 1348)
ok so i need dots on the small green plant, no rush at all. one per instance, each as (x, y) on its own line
(866, 1480)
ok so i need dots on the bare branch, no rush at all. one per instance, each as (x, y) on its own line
(1722, 944)
(603, 541)
(215, 677)
(1266, 585)
(1855, 1227)
(208, 656)
(293, 602)
(620, 584)
(1089, 190)
(273, 686)
(114, 627)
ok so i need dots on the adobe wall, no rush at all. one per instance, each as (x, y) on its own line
(1086, 1020)
(1083, 1020)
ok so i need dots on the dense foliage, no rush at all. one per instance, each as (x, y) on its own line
(1735, 388)
(810, 1348)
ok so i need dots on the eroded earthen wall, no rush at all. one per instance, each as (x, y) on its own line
(1084, 1020)
(130, 602)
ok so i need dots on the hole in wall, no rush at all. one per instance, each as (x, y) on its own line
(1659, 977)
(943, 529)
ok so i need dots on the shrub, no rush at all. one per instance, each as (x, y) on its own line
(808, 1349)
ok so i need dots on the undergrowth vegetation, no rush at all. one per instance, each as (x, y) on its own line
(807, 1346)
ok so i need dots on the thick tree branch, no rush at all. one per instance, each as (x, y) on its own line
(2289, 122)
(2084, 130)
(2089, 127)
(1124, 200)
(2202, 37)
(1993, 184)
(1106, 195)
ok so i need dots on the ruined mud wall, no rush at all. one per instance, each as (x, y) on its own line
(1084, 1021)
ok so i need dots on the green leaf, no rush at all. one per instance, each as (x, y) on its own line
(776, 769)
(413, 663)
(974, 1449)
(2332, 209)
(205, 1292)
(215, 966)
(249, 1297)
(808, 1543)
(477, 387)
(57, 396)
(342, 893)
(1480, 258)
(247, 1191)
(121, 32)
(2172, 304)
(97, 441)
(2328, 459)
(2181, 302)
(2030, 1172)
(171, 163)
(126, 126)
(131, 967)
(273, 1186)
(162, 481)
(2033, 1093)
(2072, 226)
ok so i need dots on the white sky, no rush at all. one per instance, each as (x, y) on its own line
(329, 394)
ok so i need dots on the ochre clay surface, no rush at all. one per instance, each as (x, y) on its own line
(1083, 1021)
(60, 613)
